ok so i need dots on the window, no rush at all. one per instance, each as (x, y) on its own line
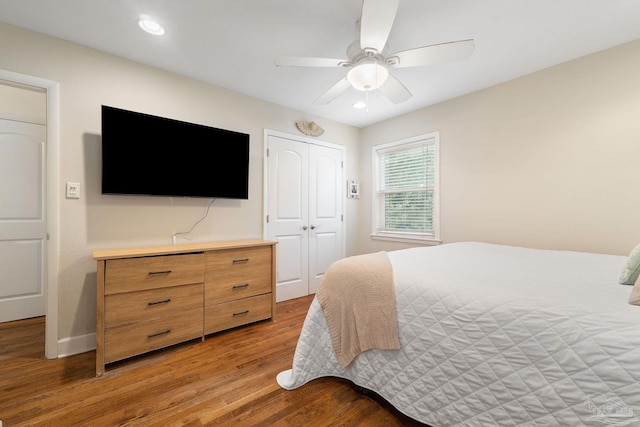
(406, 189)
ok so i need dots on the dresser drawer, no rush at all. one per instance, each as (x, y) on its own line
(133, 274)
(121, 309)
(235, 313)
(137, 338)
(237, 273)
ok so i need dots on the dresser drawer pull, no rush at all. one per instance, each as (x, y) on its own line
(241, 261)
(241, 313)
(159, 334)
(245, 285)
(152, 273)
(164, 301)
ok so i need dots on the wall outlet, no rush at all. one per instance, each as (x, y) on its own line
(73, 192)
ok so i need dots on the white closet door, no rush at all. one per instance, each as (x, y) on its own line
(304, 207)
(325, 211)
(288, 212)
(22, 220)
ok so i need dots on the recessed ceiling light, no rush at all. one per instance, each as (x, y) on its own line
(359, 105)
(150, 26)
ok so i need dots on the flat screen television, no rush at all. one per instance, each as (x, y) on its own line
(144, 154)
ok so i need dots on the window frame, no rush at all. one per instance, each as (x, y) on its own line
(432, 138)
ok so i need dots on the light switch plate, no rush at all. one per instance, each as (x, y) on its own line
(73, 190)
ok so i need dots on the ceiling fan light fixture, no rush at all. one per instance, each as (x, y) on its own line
(367, 76)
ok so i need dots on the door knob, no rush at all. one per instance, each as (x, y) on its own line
(313, 227)
(304, 227)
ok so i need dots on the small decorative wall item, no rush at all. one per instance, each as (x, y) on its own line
(309, 128)
(353, 189)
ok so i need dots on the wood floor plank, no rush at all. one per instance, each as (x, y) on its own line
(226, 380)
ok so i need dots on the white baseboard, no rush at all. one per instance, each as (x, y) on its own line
(76, 345)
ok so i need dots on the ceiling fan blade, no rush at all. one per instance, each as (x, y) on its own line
(333, 92)
(394, 90)
(376, 22)
(434, 54)
(301, 61)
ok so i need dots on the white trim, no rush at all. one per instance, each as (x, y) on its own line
(299, 138)
(76, 345)
(405, 239)
(52, 220)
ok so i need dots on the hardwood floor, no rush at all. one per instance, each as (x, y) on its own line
(227, 380)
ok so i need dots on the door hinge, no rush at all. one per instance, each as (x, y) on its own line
(267, 152)
(342, 217)
(267, 219)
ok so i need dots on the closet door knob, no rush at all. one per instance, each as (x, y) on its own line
(304, 227)
(313, 227)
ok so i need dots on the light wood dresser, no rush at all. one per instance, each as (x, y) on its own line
(156, 296)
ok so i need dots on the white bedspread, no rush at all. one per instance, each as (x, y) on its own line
(496, 335)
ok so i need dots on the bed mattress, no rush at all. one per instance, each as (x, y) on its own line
(495, 335)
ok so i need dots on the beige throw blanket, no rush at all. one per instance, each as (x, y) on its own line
(358, 297)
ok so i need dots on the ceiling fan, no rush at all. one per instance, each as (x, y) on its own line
(368, 61)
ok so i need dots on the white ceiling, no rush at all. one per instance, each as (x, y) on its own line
(232, 43)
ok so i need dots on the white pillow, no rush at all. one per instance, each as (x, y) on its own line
(635, 293)
(631, 269)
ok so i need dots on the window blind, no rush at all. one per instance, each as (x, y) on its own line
(405, 188)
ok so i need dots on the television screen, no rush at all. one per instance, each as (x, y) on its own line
(144, 154)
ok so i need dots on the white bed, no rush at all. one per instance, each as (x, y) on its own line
(495, 335)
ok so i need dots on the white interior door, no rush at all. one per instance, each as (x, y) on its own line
(304, 208)
(325, 211)
(288, 210)
(22, 220)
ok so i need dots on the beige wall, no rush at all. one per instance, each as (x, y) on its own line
(549, 160)
(88, 79)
